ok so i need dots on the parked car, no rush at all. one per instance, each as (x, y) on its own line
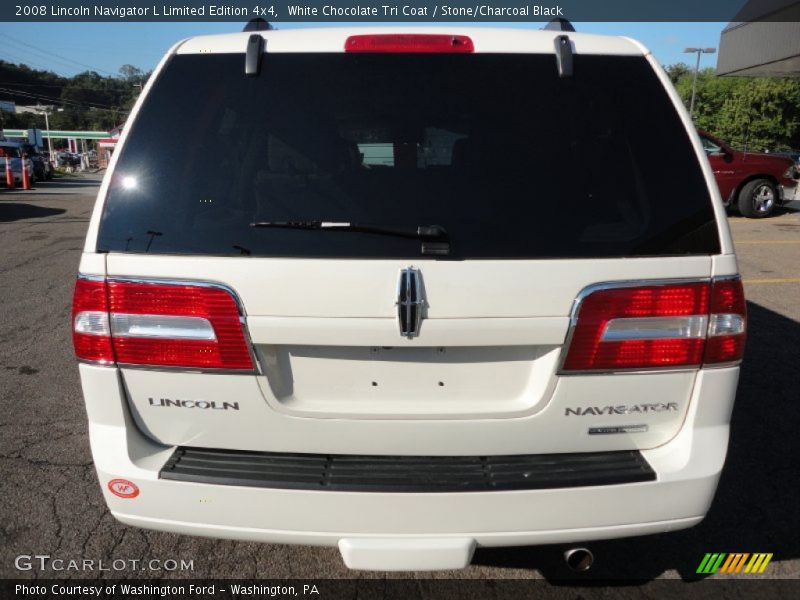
(70, 161)
(435, 345)
(42, 168)
(13, 150)
(751, 182)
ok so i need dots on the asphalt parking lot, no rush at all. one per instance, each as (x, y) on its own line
(51, 501)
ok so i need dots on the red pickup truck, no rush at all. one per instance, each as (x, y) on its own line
(752, 182)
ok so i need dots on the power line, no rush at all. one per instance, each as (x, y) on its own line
(51, 57)
(62, 99)
(48, 57)
(54, 99)
(26, 61)
(66, 85)
(50, 85)
(69, 103)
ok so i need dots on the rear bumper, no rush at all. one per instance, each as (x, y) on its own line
(405, 474)
(414, 530)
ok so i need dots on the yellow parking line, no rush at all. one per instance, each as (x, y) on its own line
(776, 280)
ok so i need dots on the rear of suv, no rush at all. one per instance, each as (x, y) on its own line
(359, 289)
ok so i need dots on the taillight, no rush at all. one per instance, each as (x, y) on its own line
(655, 326)
(728, 322)
(405, 43)
(158, 324)
(91, 332)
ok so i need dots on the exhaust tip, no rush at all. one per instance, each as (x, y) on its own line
(579, 560)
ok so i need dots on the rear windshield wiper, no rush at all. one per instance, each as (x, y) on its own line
(421, 232)
(433, 237)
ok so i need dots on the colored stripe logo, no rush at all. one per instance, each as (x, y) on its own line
(735, 562)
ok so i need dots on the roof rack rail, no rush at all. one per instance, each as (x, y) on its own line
(258, 24)
(558, 24)
(563, 48)
(253, 55)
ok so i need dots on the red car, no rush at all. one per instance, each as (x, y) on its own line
(752, 182)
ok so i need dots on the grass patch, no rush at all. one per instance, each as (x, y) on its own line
(62, 172)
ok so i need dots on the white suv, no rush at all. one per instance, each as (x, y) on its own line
(407, 293)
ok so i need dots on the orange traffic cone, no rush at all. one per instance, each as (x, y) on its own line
(26, 179)
(9, 175)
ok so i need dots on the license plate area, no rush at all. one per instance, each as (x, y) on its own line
(408, 382)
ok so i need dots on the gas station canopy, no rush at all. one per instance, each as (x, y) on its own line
(60, 134)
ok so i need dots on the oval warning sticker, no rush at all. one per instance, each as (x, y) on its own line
(123, 488)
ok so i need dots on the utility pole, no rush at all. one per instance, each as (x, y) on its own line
(699, 52)
(47, 128)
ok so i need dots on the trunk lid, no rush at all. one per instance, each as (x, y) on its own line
(542, 185)
(482, 372)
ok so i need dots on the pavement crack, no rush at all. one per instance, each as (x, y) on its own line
(56, 516)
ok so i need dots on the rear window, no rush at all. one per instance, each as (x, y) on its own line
(510, 160)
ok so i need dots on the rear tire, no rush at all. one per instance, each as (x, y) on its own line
(757, 199)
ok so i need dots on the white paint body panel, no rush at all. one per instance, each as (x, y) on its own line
(288, 287)
(334, 376)
(688, 468)
(540, 427)
(328, 344)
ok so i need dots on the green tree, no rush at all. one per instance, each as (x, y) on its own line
(760, 113)
(86, 101)
(131, 74)
(677, 71)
